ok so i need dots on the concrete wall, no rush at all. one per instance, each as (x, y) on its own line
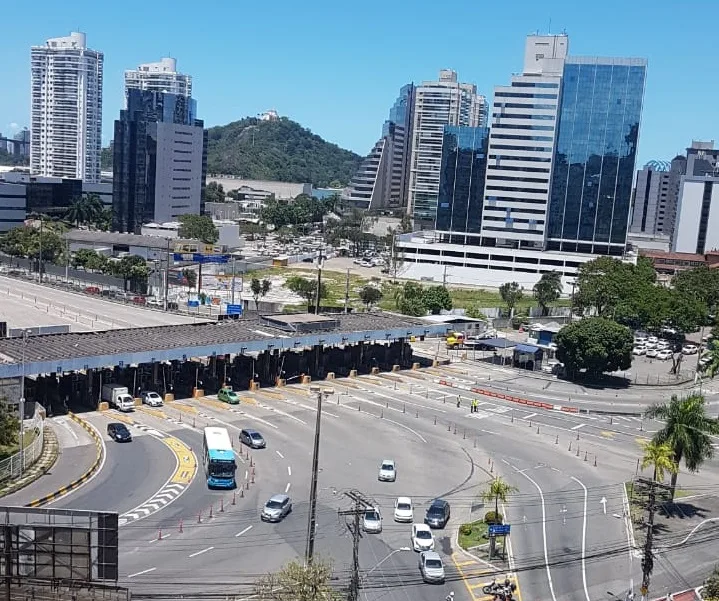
(689, 216)
(12, 206)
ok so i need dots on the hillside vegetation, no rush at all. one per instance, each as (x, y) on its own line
(279, 150)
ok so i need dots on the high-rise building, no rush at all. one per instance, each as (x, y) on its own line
(461, 183)
(66, 115)
(159, 160)
(593, 171)
(656, 193)
(381, 180)
(436, 104)
(161, 76)
(521, 147)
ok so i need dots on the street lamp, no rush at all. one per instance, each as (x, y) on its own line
(312, 522)
(385, 559)
(25, 335)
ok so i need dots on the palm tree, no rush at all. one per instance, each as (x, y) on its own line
(498, 490)
(711, 367)
(659, 456)
(687, 431)
(86, 209)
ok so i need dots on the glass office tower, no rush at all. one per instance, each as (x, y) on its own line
(461, 183)
(600, 110)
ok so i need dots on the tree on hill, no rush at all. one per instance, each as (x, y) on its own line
(547, 290)
(280, 150)
(198, 227)
(594, 345)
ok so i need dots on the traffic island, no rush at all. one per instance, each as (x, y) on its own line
(40, 467)
(474, 538)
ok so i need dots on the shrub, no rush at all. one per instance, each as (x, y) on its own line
(465, 529)
(493, 518)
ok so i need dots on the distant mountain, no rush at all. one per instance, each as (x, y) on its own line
(279, 150)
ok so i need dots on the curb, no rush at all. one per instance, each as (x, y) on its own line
(47, 459)
(82, 479)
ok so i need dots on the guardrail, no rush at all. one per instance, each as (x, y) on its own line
(10, 468)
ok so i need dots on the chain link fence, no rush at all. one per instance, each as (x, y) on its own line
(10, 468)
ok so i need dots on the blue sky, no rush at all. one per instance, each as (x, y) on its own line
(336, 67)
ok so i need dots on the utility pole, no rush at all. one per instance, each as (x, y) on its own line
(167, 276)
(347, 292)
(319, 282)
(39, 258)
(233, 279)
(648, 559)
(67, 260)
(361, 504)
(7, 552)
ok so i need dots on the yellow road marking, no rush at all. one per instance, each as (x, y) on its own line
(481, 572)
(270, 394)
(187, 463)
(606, 434)
(155, 412)
(344, 382)
(183, 407)
(249, 400)
(641, 440)
(214, 403)
(122, 418)
(464, 563)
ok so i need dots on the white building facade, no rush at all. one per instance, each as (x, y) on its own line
(436, 104)
(697, 224)
(66, 113)
(161, 76)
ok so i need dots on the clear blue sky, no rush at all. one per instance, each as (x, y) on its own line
(336, 67)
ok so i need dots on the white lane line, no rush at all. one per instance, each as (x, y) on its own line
(417, 434)
(577, 426)
(164, 536)
(243, 531)
(530, 416)
(584, 539)
(201, 552)
(147, 571)
(289, 470)
(247, 473)
(280, 454)
(287, 488)
(544, 531)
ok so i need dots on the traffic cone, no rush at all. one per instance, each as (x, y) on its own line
(210, 511)
(234, 498)
(159, 534)
(199, 517)
(180, 525)
(242, 493)
(222, 506)
(251, 463)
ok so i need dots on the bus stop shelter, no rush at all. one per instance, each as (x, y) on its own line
(527, 356)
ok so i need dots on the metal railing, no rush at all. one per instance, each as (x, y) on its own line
(10, 467)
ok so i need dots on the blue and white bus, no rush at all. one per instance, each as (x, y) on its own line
(218, 458)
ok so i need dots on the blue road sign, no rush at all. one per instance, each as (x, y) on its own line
(193, 303)
(499, 529)
(234, 309)
(200, 258)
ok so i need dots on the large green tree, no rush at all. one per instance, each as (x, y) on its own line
(370, 295)
(593, 346)
(409, 299)
(436, 299)
(85, 210)
(701, 283)
(299, 581)
(306, 288)
(604, 282)
(548, 290)
(198, 227)
(511, 293)
(134, 270)
(260, 288)
(214, 192)
(9, 427)
(687, 430)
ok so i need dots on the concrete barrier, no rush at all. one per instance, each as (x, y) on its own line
(353, 373)
(103, 406)
(138, 402)
(197, 393)
(63, 490)
(254, 385)
(330, 375)
(395, 368)
(281, 382)
(169, 397)
(415, 366)
(306, 379)
(375, 371)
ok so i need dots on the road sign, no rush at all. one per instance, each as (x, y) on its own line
(201, 258)
(234, 309)
(499, 529)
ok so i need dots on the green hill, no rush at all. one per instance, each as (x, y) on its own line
(279, 150)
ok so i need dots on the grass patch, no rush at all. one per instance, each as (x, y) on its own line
(473, 534)
(28, 439)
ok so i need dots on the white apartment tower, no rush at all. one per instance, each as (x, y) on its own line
(161, 76)
(521, 147)
(66, 109)
(436, 104)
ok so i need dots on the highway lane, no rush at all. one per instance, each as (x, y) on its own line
(76, 455)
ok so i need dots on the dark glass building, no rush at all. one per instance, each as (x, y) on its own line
(598, 127)
(159, 160)
(461, 180)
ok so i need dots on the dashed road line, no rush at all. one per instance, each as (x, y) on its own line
(241, 532)
(280, 454)
(577, 427)
(201, 552)
(147, 571)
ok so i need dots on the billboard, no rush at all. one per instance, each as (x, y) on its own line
(60, 544)
(198, 249)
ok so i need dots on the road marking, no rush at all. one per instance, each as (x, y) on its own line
(280, 454)
(201, 552)
(154, 540)
(289, 470)
(187, 462)
(577, 427)
(530, 416)
(607, 434)
(422, 438)
(243, 531)
(147, 571)
(544, 531)
(287, 488)
(584, 538)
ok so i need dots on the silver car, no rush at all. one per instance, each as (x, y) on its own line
(372, 521)
(276, 508)
(387, 471)
(431, 567)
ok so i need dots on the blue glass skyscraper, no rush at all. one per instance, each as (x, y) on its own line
(593, 168)
(461, 183)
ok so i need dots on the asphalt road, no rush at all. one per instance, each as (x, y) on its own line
(560, 530)
(27, 304)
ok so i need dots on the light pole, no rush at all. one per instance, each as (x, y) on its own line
(25, 335)
(383, 560)
(312, 522)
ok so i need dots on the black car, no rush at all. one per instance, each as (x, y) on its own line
(438, 514)
(119, 432)
(253, 439)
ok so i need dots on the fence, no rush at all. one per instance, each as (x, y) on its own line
(10, 467)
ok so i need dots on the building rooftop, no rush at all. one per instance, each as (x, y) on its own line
(95, 237)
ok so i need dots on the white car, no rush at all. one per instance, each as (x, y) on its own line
(151, 398)
(652, 352)
(663, 344)
(422, 538)
(664, 355)
(690, 349)
(640, 340)
(431, 567)
(649, 344)
(387, 471)
(372, 521)
(653, 339)
(639, 350)
(403, 511)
